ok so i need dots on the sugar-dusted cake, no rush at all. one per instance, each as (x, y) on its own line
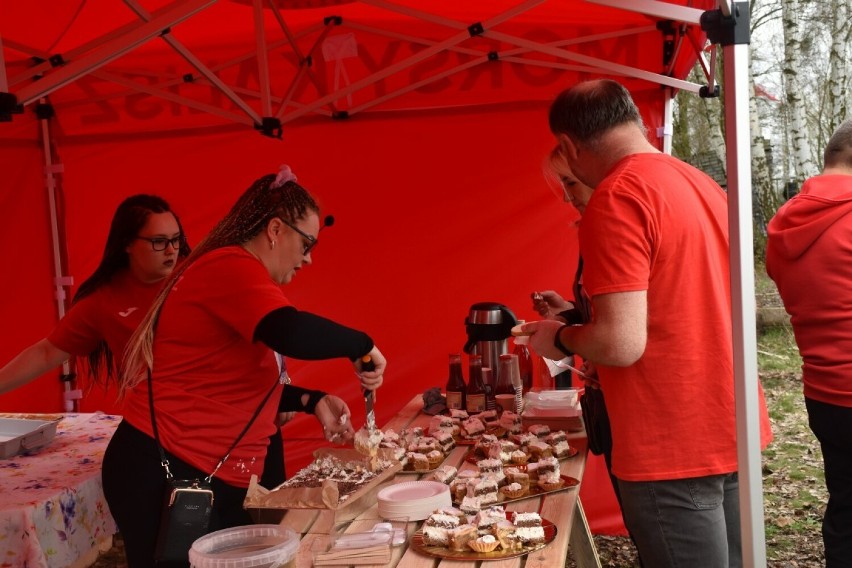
(470, 504)
(488, 517)
(561, 449)
(417, 462)
(435, 528)
(528, 527)
(445, 474)
(539, 430)
(445, 440)
(555, 437)
(550, 481)
(511, 422)
(440, 423)
(538, 449)
(472, 427)
(459, 414)
(486, 490)
(548, 465)
(515, 475)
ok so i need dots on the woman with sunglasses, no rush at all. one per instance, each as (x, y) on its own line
(144, 244)
(207, 355)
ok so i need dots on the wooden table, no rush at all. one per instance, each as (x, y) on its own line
(562, 508)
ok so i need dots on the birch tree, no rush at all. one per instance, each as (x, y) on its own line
(838, 59)
(803, 164)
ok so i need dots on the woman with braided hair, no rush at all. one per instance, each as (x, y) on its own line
(208, 356)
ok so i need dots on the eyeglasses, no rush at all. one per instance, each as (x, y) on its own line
(311, 240)
(160, 243)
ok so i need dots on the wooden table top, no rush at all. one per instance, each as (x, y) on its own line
(557, 507)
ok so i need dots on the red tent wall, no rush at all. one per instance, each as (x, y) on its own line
(435, 209)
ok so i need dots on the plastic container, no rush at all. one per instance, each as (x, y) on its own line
(558, 409)
(18, 436)
(251, 546)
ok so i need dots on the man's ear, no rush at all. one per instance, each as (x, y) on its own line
(569, 148)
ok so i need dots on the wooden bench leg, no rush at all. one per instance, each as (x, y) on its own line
(581, 542)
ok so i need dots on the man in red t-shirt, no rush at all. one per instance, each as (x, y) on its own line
(654, 240)
(809, 256)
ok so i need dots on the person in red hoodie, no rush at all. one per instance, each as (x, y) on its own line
(809, 256)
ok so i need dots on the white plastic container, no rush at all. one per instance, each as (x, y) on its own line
(20, 435)
(251, 546)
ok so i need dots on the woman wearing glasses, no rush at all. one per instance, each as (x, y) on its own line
(144, 243)
(206, 354)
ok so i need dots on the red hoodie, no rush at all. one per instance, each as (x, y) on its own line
(809, 256)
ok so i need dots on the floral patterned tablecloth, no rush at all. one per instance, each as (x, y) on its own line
(52, 507)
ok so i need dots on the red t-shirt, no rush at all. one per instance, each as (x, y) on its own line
(809, 256)
(209, 375)
(658, 224)
(111, 313)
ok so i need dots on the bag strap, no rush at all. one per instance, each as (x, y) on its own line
(165, 462)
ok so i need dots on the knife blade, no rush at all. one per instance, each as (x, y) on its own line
(368, 365)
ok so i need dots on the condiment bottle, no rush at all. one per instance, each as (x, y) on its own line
(475, 397)
(504, 378)
(455, 384)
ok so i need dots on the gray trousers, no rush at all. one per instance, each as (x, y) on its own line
(685, 523)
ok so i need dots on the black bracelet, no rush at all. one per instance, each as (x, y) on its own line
(314, 397)
(558, 343)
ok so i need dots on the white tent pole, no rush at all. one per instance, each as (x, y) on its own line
(737, 89)
(666, 131)
(110, 51)
(654, 8)
(70, 394)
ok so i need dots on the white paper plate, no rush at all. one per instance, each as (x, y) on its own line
(413, 499)
(412, 491)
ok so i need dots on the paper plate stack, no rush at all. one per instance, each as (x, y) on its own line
(413, 499)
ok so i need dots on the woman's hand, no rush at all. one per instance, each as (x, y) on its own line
(371, 380)
(548, 303)
(335, 417)
(284, 417)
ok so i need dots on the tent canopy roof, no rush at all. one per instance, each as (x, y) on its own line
(183, 64)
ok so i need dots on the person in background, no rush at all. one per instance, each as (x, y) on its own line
(809, 256)
(654, 240)
(209, 349)
(144, 243)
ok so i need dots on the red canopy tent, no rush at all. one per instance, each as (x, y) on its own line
(421, 127)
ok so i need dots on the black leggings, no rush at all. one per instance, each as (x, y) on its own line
(134, 482)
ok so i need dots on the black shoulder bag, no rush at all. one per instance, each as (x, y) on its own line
(187, 503)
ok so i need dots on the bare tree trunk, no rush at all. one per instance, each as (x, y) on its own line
(803, 163)
(764, 197)
(841, 35)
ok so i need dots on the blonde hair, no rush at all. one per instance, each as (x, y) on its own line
(259, 204)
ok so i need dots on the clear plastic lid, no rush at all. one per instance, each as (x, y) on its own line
(251, 546)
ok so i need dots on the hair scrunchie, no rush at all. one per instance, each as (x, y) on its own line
(285, 174)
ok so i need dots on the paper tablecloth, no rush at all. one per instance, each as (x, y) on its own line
(52, 507)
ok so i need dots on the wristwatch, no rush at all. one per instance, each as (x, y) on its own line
(558, 342)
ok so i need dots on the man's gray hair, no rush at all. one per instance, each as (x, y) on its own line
(588, 109)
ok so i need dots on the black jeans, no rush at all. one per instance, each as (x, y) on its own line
(832, 425)
(134, 482)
